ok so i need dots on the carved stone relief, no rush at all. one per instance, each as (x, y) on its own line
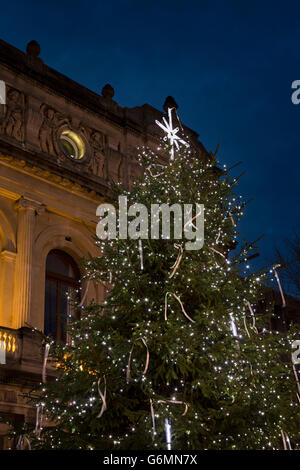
(52, 120)
(98, 161)
(13, 122)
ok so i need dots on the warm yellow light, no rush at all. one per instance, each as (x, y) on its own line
(72, 144)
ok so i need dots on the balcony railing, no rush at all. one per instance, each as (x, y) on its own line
(9, 345)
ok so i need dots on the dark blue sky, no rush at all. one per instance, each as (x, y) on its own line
(229, 65)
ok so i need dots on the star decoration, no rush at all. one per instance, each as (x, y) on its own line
(171, 132)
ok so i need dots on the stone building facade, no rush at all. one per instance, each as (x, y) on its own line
(61, 145)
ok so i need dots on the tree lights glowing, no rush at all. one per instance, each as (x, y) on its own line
(209, 367)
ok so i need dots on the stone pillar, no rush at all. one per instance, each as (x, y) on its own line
(27, 210)
(7, 269)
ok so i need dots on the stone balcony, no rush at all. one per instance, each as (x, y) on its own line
(21, 356)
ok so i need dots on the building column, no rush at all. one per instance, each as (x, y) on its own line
(7, 269)
(27, 210)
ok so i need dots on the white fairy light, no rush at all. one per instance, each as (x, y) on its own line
(171, 132)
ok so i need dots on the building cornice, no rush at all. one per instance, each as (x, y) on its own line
(35, 69)
(50, 177)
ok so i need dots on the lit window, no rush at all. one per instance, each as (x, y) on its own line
(72, 144)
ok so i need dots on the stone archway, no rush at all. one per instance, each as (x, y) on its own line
(78, 243)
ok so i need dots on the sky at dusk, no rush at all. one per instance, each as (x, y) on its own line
(228, 64)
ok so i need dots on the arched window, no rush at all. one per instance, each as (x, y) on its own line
(62, 277)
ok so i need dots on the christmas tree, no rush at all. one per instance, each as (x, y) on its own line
(177, 355)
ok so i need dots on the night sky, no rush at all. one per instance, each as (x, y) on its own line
(228, 64)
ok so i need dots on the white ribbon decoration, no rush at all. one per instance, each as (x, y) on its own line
(216, 251)
(175, 402)
(245, 324)
(128, 377)
(180, 303)
(193, 218)
(285, 440)
(253, 317)
(232, 219)
(85, 294)
(38, 420)
(149, 169)
(46, 353)
(153, 418)
(20, 443)
(102, 396)
(279, 285)
(178, 260)
(288, 441)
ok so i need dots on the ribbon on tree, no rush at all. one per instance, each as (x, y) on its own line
(285, 440)
(46, 354)
(141, 254)
(128, 377)
(149, 169)
(38, 420)
(180, 303)
(190, 222)
(102, 396)
(174, 402)
(85, 294)
(216, 251)
(21, 441)
(178, 260)
(232, 219)
(245, 324)
(279, 284)
(153, 418)
(253, 317)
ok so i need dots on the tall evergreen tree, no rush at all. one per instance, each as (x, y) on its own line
(177, 338)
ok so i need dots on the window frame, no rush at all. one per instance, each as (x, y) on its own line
(61, 280)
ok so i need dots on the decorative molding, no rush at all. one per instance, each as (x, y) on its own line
(8, 255)
(49, 177)
(27, 203)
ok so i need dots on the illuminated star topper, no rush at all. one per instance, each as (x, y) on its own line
(171, 132)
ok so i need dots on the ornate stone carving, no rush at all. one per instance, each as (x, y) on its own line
(13, 122)
(52, 120)
(98, 161)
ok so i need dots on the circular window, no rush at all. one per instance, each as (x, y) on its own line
(72, 144)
